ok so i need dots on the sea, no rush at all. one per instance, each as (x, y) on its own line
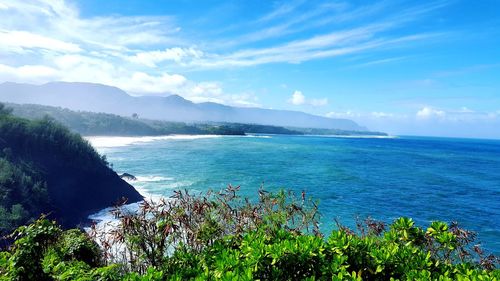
(427, 179)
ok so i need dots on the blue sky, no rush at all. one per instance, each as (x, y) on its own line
(404, 67)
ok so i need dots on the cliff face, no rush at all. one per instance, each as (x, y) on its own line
(46, 168)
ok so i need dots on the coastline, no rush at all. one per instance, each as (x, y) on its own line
(117, 141)
(104, 142)
(339, 171)
(104, 219)
(355, 136)
(120, 141)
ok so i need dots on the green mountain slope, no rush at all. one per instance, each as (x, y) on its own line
(46, 168)
(104, 124)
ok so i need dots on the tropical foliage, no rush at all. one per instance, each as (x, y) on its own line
(44, 168)
(220, 236)
(335, 132)
(212, 236)
(91, 123)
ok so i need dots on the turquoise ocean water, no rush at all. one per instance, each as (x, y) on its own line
(385, 178)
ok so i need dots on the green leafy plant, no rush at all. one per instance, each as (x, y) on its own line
(274, 238)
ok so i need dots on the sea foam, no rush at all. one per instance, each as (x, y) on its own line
(151, 179)
(107, 142)
(354, 136)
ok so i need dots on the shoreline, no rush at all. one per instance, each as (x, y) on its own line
(117, 141)
(120, 141)
(105, 142)
(104, 216)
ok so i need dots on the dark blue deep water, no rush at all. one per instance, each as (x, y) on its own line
(423, 178)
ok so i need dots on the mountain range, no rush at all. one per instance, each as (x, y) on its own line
(103, 98)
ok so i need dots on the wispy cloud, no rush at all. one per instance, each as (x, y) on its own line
(44, 40)
(425, 115)
(367, 35)
(466, 70)
(323, 46)
(281, 10)
(58, 44)
(463, 114)
(379, 62)
(152, 58)
(59, 19)
(297, 22)
(23, 41)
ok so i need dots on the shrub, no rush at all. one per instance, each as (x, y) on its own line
(274, 238)
(42, 251)
(146, 237)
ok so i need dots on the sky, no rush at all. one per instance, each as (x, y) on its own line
(403, 67)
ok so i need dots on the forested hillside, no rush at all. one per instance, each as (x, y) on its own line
(102, 124)
(335, 132)
(44, 168)
(104, 98)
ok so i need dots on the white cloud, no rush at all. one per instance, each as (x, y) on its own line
(297, 98)
(20, 40)
(43, 41)
(213, 92)
(245, 100)
(61, 20)
(46, 40)
(344, 114)
(152, 58)
(432, 121)
(429, 112)
(28, 73)
(141, 82)
(281, 10)
(138, 38)
(324, 46)
(463, 115)
(429, 121)
(212, 89)
(365, 115)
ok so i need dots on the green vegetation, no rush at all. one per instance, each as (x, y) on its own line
(220, 236)
(262, 129)
(103, 124)
(91, 123)
(335, 132)
(44, 168)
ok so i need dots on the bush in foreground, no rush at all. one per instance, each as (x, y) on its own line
(223, 237)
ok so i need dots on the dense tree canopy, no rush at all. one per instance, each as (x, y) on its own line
(91, 123)
(46, 168)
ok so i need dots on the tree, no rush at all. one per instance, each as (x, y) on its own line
(4, 111)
